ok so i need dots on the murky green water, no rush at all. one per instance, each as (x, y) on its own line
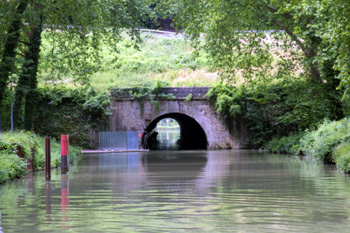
(163, 191)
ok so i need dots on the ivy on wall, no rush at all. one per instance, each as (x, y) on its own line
(154, 93)
(71, 111)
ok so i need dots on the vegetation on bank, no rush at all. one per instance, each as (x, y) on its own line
(281, 116)
(64, 110)
(276, 107)
(283, 66)
(171, 60)
(329, 142)
(63, 106)
(12, 166)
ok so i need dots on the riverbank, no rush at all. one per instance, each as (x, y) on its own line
(33, 147)
(330, 142)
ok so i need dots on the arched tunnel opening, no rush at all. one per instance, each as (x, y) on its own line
(191, 136)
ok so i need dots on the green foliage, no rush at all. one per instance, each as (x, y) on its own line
(76, 30)
(10, 41)
(74, 152)
(341, 156)
(321, 142)
(71, 111)
(335, 30)
(24, 139)
(171, 96)
(288, 144)
(154, 93)
(274, 108)
(156, 58)
(168, 123)
(12, 166)
(188, 97)
(96, 105)
(254, 38)
(27, 81)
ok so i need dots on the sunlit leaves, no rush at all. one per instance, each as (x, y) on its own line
(230, 30)
(76, 29)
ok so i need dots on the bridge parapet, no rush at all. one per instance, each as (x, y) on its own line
(164, 93)
(138, 109)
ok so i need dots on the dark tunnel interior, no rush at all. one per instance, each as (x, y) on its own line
(192, 135)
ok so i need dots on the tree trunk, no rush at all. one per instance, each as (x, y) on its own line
(13, 35)
(27, 81)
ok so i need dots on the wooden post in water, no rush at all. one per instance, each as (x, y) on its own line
(64, 153)
(48, 197)
(47, 158)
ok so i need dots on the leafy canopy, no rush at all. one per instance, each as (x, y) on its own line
(76, 29)
(257, 38)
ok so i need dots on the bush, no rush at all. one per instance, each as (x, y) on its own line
(71, 111)
(273, 107)
(321, 142)
(12, 166)
(25, 140)
(288, 144)
(341, 156)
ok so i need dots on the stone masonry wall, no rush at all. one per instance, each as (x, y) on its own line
(127, 117)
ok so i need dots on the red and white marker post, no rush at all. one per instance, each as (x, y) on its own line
(64, 153)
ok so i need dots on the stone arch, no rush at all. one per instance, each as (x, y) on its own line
(192, 135)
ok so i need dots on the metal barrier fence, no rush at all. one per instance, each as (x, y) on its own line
(120, 140)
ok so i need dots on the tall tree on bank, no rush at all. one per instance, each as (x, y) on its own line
(27, 80)
(244, 26)
(256, 39)
(9, 51)
(336, 31)
(76, 30)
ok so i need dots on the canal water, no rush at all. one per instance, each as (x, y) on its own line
(181, 191)
(168, 139)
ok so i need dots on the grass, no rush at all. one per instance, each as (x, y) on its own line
(11, 166)
(129, 64)
(171, 60)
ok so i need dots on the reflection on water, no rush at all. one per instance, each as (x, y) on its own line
(48, 197)
(168, 139)
(65, 199)
(172, 191)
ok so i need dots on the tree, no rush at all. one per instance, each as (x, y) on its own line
(12, 37)
(236, 29)
(27, 81)
(75, 28)
(269, 39)
(336, 31)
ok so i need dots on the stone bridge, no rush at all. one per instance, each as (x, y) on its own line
(200, 127)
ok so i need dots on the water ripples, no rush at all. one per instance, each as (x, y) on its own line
(228, 191)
